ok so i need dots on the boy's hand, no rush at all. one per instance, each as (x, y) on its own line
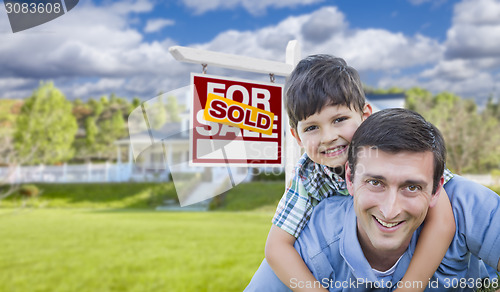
(287, 263)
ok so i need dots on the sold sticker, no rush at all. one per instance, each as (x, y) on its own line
(227, 111)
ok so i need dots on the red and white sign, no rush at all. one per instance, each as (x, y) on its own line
(241, 106)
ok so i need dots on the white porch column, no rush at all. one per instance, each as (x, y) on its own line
(292, 150)
(129, 162)
(118, 155)
(89, 171)
(106, 172)
(65, 172)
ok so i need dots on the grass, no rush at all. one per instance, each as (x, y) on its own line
(127, 248)
(253, 196)
(97, 195)
(90, 250)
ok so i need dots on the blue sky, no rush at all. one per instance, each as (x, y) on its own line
(101, 47)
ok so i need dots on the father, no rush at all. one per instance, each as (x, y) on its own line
(365, 241)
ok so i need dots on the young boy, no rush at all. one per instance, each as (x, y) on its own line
(325, 103)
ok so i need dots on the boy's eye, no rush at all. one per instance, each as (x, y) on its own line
(338, 120)
(310, 128)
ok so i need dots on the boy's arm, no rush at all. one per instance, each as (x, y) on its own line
(286, 261)
(432, 245)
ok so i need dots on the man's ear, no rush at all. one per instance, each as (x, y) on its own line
(367, 111)
(435, 197)
(296, 136)
(348, 177)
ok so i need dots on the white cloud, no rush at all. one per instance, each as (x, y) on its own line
(154, 25)
(327, 31)
(98, 44)
(89, 43)
(254, 7)
(470, 53)
(128, 6)
(95, 88)
(99, 50)
(453, 70)
(475, 32)
(435, 3)
(418, 2)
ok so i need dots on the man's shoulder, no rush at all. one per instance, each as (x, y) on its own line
(468, 197)
(460, 188)
(476, 209)
(332, 208)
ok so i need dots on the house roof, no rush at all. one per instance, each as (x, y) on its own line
(383, 101)
(169, 131)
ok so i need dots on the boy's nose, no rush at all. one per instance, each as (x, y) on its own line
(329, 135)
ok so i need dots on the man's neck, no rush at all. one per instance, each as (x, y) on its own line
(380, 260)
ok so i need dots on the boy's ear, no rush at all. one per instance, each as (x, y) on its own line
(367, 111)
(348, 177)
(296, 136)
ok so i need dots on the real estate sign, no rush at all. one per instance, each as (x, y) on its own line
(236, 122)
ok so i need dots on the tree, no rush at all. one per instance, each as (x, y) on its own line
(418, 99)
(135, 103)
(173, 109)
(96, 106)
(109, 130)
(10, 159)
(90, 132)
(471, 136)
(45, 127)
(157, 113)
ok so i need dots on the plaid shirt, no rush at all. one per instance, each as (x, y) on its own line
(311, 182)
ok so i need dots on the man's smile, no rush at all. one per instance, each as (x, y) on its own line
(387, 225)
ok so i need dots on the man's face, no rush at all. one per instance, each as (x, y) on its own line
(392, 194)
(326, 135)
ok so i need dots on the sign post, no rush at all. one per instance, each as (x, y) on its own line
(217, 59)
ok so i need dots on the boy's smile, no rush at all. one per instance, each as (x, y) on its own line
(326, 135)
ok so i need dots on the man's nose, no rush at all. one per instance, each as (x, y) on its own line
(390, 205)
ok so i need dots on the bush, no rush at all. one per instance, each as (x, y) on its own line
(495, 175)
(96, 195)
(496, 189)
(29, 191)
(269, 177)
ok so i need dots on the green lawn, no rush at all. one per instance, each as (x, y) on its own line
(99, 250)
(69, 242)
(96, 195)
(251, 196)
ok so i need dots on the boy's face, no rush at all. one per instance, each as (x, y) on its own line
(326, 135)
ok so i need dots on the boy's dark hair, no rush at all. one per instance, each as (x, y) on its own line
(396, 130)
(319, 81)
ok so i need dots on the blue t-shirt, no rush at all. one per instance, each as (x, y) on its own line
(334, 256)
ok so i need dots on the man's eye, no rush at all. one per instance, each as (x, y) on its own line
(414, 188)
(310, 128)
(374, 182)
